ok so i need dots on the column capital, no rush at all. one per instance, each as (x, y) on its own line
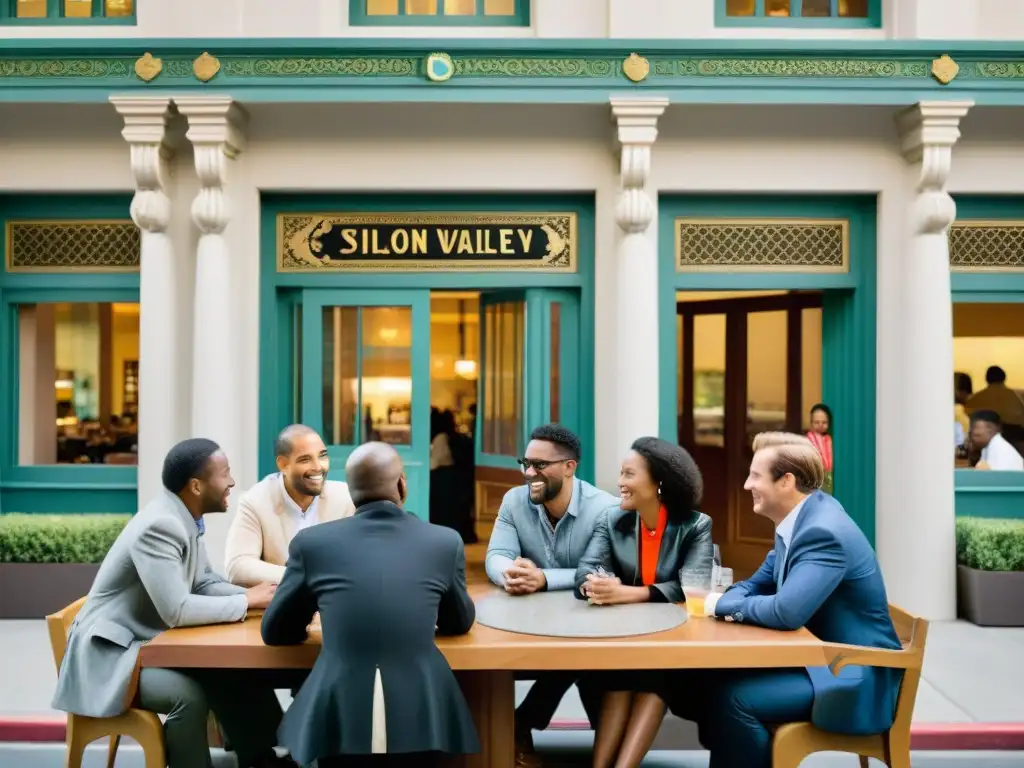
(215, 121)
(637, 119)
(216, 128)
(145, 129)
(928, 131)
(636, 131)
(930, 124)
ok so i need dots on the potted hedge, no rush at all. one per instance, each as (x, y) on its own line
(990, 571)
(48, 561)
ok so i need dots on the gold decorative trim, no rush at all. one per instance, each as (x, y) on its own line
(449, 241)
(987, 245)
(66, 245)
(147, 67)
(636, 67)
(944, 69)
(205, 67)
(762, 245)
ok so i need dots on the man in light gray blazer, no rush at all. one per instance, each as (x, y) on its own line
(156, 576)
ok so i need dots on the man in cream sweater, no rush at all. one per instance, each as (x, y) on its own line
(282, 504)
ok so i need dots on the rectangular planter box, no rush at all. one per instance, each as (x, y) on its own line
(33, 590)
(991, 598)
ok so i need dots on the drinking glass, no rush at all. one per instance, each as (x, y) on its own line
(696, 589)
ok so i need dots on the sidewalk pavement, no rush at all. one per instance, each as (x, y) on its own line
(969, 696)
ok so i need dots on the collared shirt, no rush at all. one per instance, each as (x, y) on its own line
(302, 519)
(999, 454)
(524, 529)
(201, 525)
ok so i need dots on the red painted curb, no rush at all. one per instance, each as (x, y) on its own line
(926, 737)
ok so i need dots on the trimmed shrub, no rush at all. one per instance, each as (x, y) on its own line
(58, 538)
(989, 544)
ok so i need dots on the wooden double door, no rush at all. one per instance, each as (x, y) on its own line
(747, 364)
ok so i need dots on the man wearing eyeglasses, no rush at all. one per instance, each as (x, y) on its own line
(542, 531)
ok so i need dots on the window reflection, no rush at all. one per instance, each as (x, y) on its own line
(78, 383)
(766, 372)
(988, 380)
(709, 379)
(503, 393)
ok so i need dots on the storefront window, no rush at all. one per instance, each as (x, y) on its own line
(78, 387)
(988, 379)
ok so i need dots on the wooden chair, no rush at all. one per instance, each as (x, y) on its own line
(143, 726)
(795, 741)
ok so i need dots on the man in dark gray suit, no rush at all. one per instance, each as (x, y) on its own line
(384, 581)
(156, 576)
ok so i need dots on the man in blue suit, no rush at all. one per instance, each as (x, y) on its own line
(823, 575)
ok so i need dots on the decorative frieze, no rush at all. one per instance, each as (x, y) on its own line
(762, 245)
(986, 246)
(94, 245)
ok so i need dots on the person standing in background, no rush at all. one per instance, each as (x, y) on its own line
(820, 436)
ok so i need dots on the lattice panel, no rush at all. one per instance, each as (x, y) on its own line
(987, 246)
(90, 246)
(762, 245)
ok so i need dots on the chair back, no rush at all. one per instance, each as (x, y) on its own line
(912, 632)
(58, 625)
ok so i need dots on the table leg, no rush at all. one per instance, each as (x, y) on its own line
(491, 696)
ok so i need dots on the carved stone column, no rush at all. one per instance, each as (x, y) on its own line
(916, 539)
(636, 299)
(216, 126)
(145, 130)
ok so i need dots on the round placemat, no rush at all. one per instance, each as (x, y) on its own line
(561, 614)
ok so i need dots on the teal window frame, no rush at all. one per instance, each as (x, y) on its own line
(358, 17)
(57, 488)
(55, 15)
(988, 494)
(872, 21)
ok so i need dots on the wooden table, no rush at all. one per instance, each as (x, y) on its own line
(486, 660)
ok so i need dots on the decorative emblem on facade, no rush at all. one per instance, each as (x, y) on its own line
(944, 69)
(205, 67)
(109, 245)
(762, 245)
(147, 66)
(419, 242)
(439, 67)
(636, 67)
(987, 246)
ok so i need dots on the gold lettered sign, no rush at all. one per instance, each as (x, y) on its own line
(416, 242)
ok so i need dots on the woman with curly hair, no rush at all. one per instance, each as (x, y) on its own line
(644, 550)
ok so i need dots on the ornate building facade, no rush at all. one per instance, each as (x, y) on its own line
(688, 219)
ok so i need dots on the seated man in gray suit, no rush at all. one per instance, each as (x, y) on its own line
(542, 531)
(156, 576)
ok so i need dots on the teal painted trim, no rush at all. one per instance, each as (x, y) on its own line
(1009, 49)
(359, 18)
(989, 494)
(849, 333)
(274, 388)
(45, 498)
(796, 19)
(988, 287)
(519, 71)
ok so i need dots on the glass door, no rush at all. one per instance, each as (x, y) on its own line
(366, 376)
(529, 375)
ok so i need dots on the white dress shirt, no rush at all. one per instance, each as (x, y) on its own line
(999, 454)
(302, 519)
(784, 531)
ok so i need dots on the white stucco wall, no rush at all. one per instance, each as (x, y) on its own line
(551, 19)
(386, 147)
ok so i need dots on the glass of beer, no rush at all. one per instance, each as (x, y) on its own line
(695, 589)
